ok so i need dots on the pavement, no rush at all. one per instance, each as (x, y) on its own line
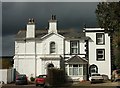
(85, 84)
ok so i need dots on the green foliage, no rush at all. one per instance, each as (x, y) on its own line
(5, 63)
(32, 79)
(56, 76)
(108, 15)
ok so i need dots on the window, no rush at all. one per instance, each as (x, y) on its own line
(100, 54)
(75, 69)
(100, 38)
(52, 47)
(74, 47)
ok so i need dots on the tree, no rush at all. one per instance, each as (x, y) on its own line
(108, 17)
(5, 63)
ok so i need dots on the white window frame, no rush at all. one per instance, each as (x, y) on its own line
(74, 47)
(100, 38)
(102, 54)
(52, 48)
(71, 66)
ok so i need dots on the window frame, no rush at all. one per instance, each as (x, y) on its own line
(71, 48)
(103, 34)
(71, 69)
(98, 59)
(51, 48)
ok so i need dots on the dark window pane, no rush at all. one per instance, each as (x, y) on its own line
(100, 56)
(75, 65)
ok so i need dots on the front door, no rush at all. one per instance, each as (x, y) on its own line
(93, 69)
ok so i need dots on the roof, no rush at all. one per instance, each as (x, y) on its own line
(67, 33)
(77, 59)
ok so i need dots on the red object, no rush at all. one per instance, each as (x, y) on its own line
(40, 80)
(16, 77)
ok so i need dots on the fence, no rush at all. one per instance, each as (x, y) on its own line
(7, 75)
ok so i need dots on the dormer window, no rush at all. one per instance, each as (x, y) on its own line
(100, 38)
(52, 47)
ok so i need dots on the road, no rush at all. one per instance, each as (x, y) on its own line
(75, 85)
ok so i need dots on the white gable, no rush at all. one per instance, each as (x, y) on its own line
(50, 34)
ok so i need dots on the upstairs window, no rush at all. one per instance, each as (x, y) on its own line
(100, 38)
(100, 54)
(74, 47)
(52, 47)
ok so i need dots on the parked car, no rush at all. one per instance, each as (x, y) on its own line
(40, 80)
(95, 78)
(21, 79)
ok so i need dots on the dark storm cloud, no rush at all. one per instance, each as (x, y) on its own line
(15, 16)
(8, 45)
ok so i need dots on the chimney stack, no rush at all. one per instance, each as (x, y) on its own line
(52, 24)
(30, 29)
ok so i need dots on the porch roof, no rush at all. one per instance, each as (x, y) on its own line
(76, 60)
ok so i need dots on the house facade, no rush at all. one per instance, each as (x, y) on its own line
(80, 53)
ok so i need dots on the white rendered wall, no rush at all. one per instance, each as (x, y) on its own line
(104, 67)
(67, 46)
(58, 43)
(26, 66)
(19, 47)
(39, 66)
(82, 46)
(39, 47)
(30, 47)
(22, 47)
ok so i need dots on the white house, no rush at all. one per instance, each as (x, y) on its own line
(79, 52)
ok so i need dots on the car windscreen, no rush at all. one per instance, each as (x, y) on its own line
(95, 74)
(42, 76)
(20, 77)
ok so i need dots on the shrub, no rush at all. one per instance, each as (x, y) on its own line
(32, 79)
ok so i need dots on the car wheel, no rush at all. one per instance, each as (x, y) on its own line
(91, 82)
(26, 83)
(36, 84)
(42, 85)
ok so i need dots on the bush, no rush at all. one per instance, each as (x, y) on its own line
(32, 79)
(56, 76)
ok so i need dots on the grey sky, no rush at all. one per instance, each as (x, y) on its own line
(69, 15)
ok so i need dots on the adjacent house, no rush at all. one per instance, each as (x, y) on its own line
(80, 53)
